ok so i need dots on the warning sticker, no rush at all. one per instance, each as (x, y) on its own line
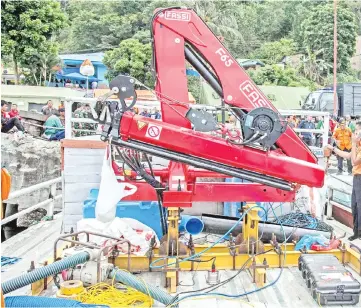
(153, 131)
(328, 267)
(141, 124)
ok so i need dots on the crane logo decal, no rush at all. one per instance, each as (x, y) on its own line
(255, 97)
(181, 16)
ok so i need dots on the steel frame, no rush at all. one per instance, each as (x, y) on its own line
(228, 258)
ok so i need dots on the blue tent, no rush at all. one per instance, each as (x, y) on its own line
(76, 76)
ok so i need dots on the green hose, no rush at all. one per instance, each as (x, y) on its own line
(129, 280)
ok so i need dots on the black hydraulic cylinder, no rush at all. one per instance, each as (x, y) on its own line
(202, 69)
(219, 224)
(205, 164)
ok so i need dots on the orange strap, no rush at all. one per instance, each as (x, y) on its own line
(5, 184)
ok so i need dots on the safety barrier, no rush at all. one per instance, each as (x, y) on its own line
(48, 202)
(214, 109)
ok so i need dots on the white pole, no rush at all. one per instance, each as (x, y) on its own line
(68, 115)
(87, 85)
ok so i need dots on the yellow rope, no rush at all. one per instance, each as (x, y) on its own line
(105, 294)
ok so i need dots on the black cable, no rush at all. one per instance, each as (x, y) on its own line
(160, 199)
(223, 282)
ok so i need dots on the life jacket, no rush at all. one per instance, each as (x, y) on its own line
(5, 184)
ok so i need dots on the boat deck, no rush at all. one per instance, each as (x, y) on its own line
(36, 244)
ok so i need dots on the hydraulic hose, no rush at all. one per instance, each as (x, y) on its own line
(39, 301)
(43, 272)
(129, 280)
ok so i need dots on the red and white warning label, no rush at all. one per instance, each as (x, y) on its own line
(153, 131)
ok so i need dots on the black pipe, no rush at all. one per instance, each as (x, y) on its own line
(205, 164)
(219, 224)
(202, 69)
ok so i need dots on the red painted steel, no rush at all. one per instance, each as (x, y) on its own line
(170, 35)
(219, 192)
(293, 161)
(216, 149)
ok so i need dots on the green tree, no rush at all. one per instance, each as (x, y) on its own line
(98, 25)
(276, 75)
(317, 33)
(313, 67)
(273, 52)
(39, 67)
(131, 57)
(27, 26)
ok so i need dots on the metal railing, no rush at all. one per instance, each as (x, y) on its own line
(149, 104)
(48, 202)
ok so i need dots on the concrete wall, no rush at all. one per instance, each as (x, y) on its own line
(30, 161)
(25, 95)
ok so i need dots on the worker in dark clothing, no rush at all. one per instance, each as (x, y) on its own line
(307, 124)
(8, 123)
(355, 156)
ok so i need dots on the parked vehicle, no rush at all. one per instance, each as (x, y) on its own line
(348, 96)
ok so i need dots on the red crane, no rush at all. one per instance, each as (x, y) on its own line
(265, 151)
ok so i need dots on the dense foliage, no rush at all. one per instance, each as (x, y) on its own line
(263, 29)
(26, 31)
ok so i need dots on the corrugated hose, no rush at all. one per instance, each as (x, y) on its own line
(43, 272)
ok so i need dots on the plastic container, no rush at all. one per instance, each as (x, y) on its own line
(191, 224)
(336, 288)
(329, 281)
(232, 208)
(306, 261)
(147, 212)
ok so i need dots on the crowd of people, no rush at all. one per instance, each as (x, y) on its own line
(339, 129)
(349, 148)
(10, 119)
(152, 113)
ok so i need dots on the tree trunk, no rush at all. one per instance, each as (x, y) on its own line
(36, 79)
(17, 77)
(50, 74)
(45, 75)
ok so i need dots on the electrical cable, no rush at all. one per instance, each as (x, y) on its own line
(212, 287)
(209, 247)
(105, 294)
(160, 199)
(245, 293)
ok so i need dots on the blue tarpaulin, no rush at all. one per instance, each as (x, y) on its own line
(76, 76)
(8, 261)
(191, 72)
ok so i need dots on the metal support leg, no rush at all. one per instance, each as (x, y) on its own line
(171, 247)
(250, 228)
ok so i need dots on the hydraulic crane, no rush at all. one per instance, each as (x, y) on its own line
(265, 151)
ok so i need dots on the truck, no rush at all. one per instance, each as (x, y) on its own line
(348, 100)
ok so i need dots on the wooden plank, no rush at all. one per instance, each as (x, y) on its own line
(35, 244)
(84, 152)
(245, 279)
(82, 178)
(73, 208)
(76, 170)
(78, 192)
(78, 160)
(81, 144)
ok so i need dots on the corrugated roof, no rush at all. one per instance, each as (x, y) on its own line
(249, 62)
(93, 57)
